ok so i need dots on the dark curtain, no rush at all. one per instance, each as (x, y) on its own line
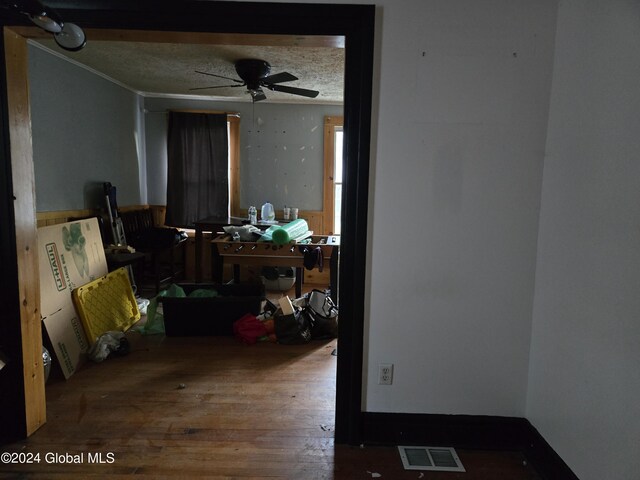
(198, 172)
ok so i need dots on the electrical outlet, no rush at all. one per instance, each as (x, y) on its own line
(385, 374)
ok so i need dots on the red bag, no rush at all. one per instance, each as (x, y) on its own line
(248, 329)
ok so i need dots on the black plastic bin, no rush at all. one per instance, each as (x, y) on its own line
(207, 316)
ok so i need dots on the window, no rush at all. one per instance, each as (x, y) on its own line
(332, 203)
(337, 179)
(198, 187)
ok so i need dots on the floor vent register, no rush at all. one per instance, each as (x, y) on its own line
(439, 459)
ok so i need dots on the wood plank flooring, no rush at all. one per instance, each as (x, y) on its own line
(213, 408)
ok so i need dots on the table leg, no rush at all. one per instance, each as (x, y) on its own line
(217, 264)
(299, 280)
(333, 275)
(198, 256)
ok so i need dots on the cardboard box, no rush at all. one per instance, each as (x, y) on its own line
(69, 255)
(68, 339)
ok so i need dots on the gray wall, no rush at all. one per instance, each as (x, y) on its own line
(281, 150)
(86, 131)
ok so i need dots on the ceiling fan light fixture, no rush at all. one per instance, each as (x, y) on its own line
(257, 94)
(71, 37)
(255, 75)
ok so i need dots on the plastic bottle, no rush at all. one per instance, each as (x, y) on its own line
(267, 214)
(253, 215)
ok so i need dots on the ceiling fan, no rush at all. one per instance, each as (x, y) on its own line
(255, 74)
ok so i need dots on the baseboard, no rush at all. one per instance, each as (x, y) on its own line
(467, 431)
(547, 462)
(462, 431)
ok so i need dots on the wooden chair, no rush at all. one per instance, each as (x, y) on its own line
(164, 247)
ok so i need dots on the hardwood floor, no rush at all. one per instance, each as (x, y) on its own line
(212, 407)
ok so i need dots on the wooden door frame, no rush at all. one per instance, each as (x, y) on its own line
(22, 401)
(355, 23)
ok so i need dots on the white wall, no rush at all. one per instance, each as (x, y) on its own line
(584, 391)
(464, 92)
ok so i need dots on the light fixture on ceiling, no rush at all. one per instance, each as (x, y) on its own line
(67, 35)
(71, 37)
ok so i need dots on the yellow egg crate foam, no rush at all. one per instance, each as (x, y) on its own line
(106, 304)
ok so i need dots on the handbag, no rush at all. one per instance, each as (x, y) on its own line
(323, 315)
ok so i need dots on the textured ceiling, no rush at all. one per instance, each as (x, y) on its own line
(169, 68)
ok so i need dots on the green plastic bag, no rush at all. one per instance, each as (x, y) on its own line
(155, 320)
(203, 293)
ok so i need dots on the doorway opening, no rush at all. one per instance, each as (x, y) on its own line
(356, 24)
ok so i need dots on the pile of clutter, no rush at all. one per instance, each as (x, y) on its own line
(85, 308)
(296, 231)
(241, 310)
(311, 317)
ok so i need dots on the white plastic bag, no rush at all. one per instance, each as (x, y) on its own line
(108, 343)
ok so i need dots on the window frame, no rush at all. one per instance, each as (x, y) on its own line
(234, 163)
(331, 124)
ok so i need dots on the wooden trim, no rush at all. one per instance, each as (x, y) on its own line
(461, 431)
(44, 219)
(355, 216)
(199, 38)
(480, 432)
(158, 213)
(58, 214)
(12, 399)
(328, 205)
(55, 217)
(25, 228)
(208, 38)
(234, 165)
(198, 110)
(128, 208)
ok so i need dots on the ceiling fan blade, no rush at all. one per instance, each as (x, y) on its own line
(279, 78)
(220, 76)
(293, 90)
(217, 86)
